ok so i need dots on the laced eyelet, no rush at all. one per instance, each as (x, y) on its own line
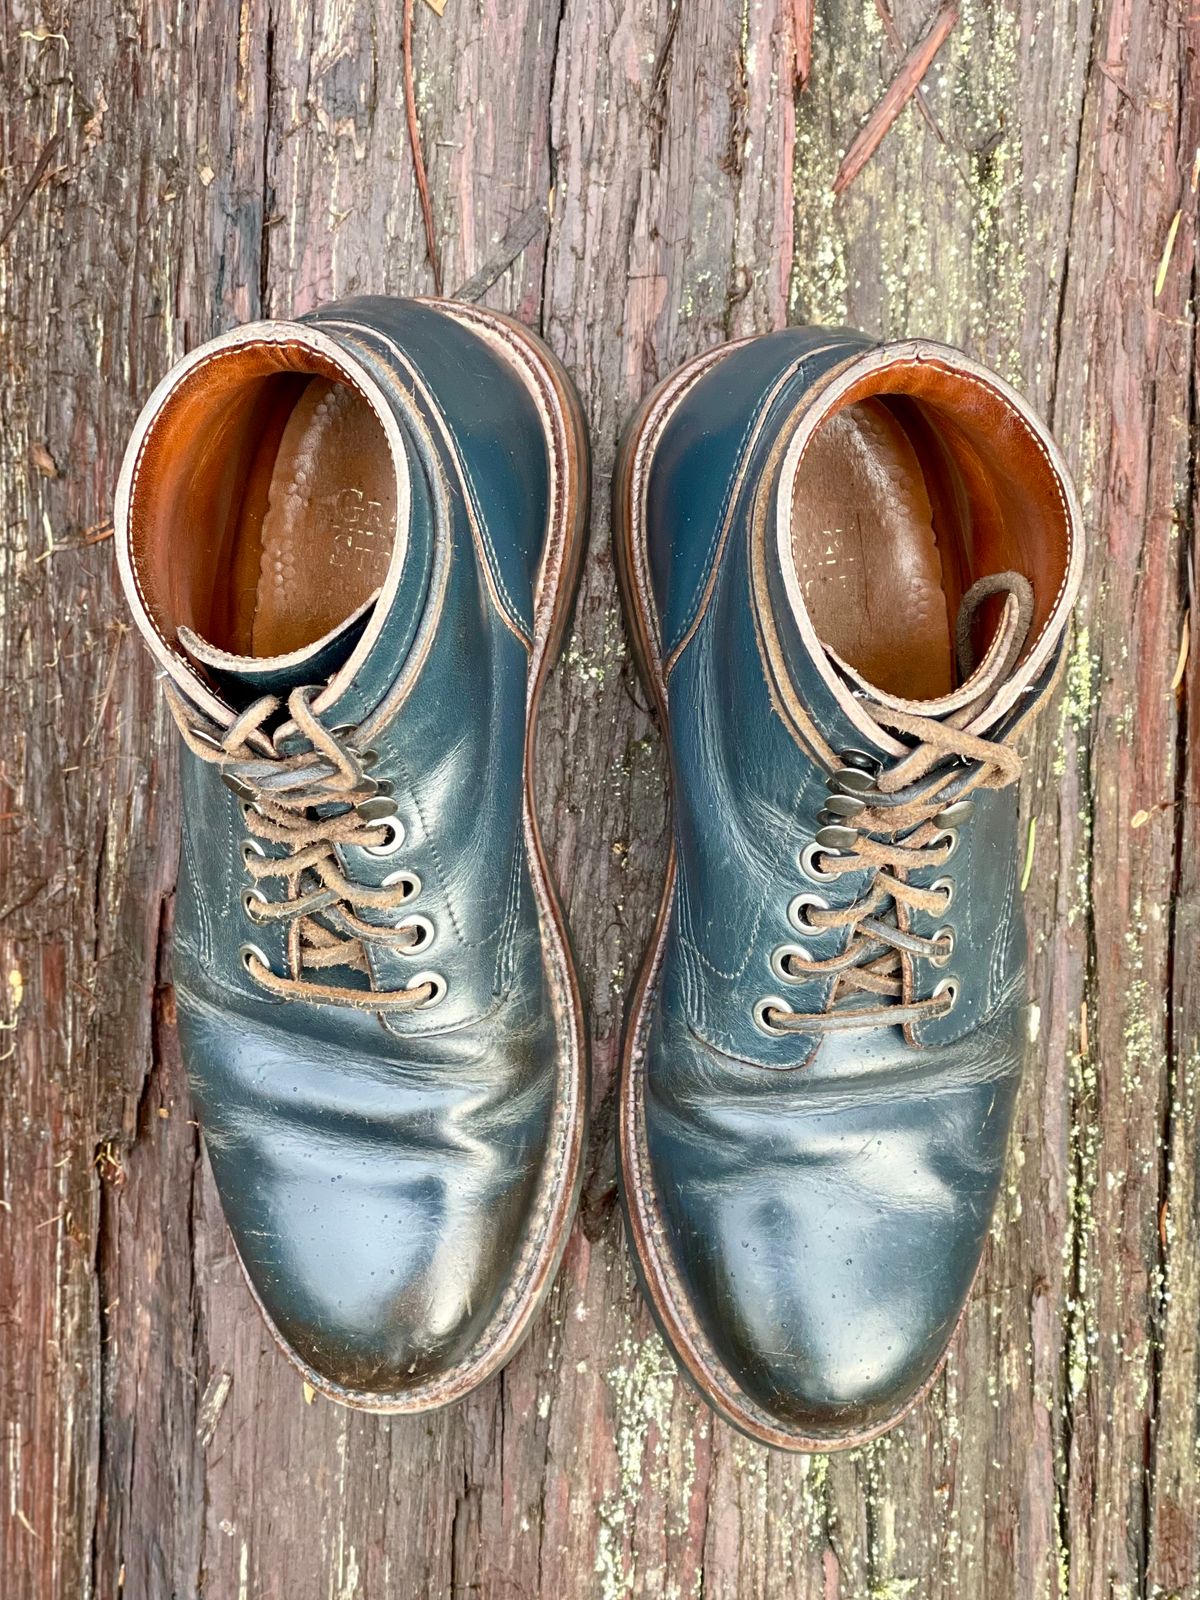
(946, 886)
(950, 834)
(795, 913)
(950, 987)
(770, 1002)
(955, 814)
(251, 849)
(248, 809)
(779, 958)
(943, 935)
(249, 952)
(837, 836)
(436, 982)
(237, 786)
(841, 808)
(422, 926)
(850, 780)
(344, 733)
(862, 760)
(394, 840)
(252, 898)
(411, 881)
(379, 805)
(809, 867)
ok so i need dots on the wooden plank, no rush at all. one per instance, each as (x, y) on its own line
(154, 1440)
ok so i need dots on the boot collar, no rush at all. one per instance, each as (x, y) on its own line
(824, 698)
(344, 660)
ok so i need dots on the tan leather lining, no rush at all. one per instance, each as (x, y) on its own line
(263, 510)
(918, 482)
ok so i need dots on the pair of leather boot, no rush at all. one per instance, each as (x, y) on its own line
(352, 543)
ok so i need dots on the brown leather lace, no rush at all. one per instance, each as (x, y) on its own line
(909, 829)
(309, 803)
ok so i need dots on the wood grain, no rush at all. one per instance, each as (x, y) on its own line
(639, 181)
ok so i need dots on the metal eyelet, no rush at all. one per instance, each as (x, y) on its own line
(795, 912)
(860, 759)
(424, 927)
(410, 880)
(438, 984)
(252, 898)
(251, 849)
(948, 986)
(850, 780)
(249, 951)
(837, 836)
(809, 867)
(378, 806)
(769, 1002)
(345, 732)
(946, 885)
(841, 808)
(779, 958)
(393, 842)
(237, 786)
(954, 815)
(953, 836)
(248, 808)
(943, 934)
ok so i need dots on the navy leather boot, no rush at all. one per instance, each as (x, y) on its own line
(352, 542)
(848, 569)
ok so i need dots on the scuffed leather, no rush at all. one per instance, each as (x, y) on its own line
(379, 1174)
(824, 1204)
(828, 1223)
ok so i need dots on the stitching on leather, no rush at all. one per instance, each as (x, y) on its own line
(492, 556)
(1001, 945)
(203, 920)
(724, 524)
(548, 411)
(776, 860)
(720, 528)
(184, 377)
(1028, 427)
(673, 393)
(479, 538)
(550, 414)
(660, 1266)
(391, 1022)
(443, 878)
(1033, 434)
(502, 972)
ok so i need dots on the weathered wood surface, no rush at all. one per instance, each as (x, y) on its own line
(169, 169)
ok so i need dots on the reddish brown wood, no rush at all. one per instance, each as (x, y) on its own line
(896, 96)
(639, 181)
(802, 39)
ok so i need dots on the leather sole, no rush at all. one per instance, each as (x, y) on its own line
(555, 593)
(659, 1279)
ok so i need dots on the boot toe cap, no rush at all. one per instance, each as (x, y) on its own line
(379, 1293)
(830, 1330)
(819, 1261)
(383, 1207)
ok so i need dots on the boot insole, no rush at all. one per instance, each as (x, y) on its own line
(316, 521)
(867, 555)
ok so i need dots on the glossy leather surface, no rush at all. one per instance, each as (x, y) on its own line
(384, 1175)
(821, 1205)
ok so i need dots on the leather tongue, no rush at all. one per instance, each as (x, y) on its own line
(243, 679)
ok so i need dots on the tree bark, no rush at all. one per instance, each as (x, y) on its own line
(639, 181)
